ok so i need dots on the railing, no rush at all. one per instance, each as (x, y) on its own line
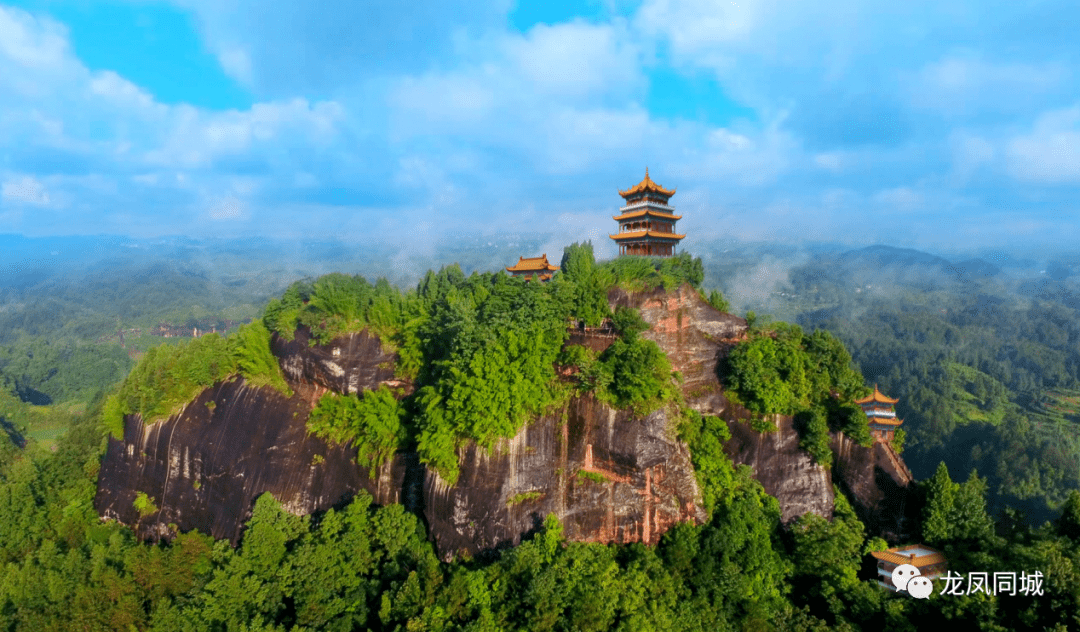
(605, 330)
(646, 203)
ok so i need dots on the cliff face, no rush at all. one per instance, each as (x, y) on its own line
(696, 337)
(347, 365)
(608, 475)
(204, 467)
(876, 479)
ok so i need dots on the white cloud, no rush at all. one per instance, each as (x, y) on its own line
(969, 153)
(25, 189)
(1050, 153)
(968, 85)
(30, 42)
(119, 91)
(574, 59)
(228, 208)
(899, 198)
(236, 63)
(830, 161)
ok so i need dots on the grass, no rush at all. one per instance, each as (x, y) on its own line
(595, 477)
(524, 497)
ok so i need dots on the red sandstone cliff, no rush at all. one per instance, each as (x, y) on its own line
(608, 475)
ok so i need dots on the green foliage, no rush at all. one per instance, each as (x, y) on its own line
(372, 422)
(717, 300)
(113, 416)
(49, 369)
(524, 497)
(1068, 524)
(780, 370)
(815, 435)
(582, 284)
(715, 474)
(954, 511)
(490, 344)
(637, 274)
(898, 439)
(169, 376)
(144, 505)
(250, 347)
(595, 477)
(282, 315)
(360, 567)
(629, 323)
(640, 375)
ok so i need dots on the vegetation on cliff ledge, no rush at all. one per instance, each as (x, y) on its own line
(780, 370)
(482, 350)
(169, 376)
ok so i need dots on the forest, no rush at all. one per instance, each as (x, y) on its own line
(364, 567)
(987, 370)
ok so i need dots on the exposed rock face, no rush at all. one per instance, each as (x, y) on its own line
(347, 365)
(609, 476)
(204, 467)
(695, 336)
(641, 482)
(784, 470)
(876, 478)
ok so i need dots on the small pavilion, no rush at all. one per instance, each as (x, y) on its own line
(647, 221)
(930, 562)
(533, 267)
(881, 415)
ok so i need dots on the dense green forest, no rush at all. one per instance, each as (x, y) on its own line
(362, 567)
(987, 371)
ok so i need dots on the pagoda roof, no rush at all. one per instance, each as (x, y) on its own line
(647, 185)
(876, 397)
(646, 211)
(885, 421)
(639, 234)
(532, 264)
(915, 554)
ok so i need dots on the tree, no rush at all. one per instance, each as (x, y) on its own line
(1068, 524)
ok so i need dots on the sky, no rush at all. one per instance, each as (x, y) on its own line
(946, 125)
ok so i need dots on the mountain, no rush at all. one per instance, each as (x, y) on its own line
(609, 475)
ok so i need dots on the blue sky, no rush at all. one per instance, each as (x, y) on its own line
(946, 125)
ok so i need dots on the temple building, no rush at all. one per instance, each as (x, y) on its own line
(533, 267)
(647, 222)
(881, 415)
(930, 562)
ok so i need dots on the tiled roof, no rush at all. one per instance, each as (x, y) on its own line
(885, 421)
(638, 234)
(923, 555)
(876, 396)
(647, 185)
(649, 211)
(532, 264)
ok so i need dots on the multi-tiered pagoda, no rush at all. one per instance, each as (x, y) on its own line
(647, 223)
(881, 415)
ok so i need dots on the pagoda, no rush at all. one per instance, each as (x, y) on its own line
(647, 222)
(881, 415)
(530, 267)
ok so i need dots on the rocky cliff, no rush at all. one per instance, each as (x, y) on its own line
(204, 467)
(696, 337)
(609, 476)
